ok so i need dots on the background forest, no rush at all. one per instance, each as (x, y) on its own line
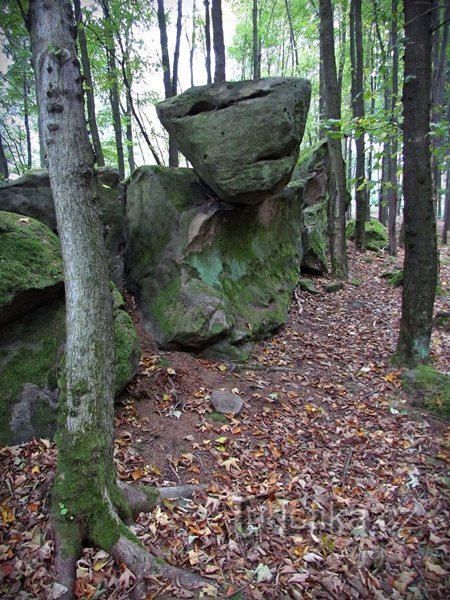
(134, 54)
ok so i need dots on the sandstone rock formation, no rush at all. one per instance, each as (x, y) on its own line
(242, 138)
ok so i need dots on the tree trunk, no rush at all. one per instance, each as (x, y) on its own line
(193, 42)
(114, 91)
(292, 37)
(393, 187)
(356, 56)
(420, 264)
(89, 88)
(4, 170)
(338, 249)
(129, 134)
(173, 150)
(26, 118)
(218, 42)
(176, 54)
(208, 42)
(446, 224)
(87, 501)
(256, 54)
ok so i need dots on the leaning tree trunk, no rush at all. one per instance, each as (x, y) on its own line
(89, 89)
(218, 42)
(87, 502)
(420, 263)
(338, 249)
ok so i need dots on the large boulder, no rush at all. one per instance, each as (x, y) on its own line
(32, 329)
(30, 266)
(207, 273)
(242, 138)
(376, 234)
(31, 196)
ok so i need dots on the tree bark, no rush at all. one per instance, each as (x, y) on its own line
(218, 41)
(193, 42)
(446, 224)
(256, 54)
(420, 264)
(358, 115)
(114, 91)
(208, 42)
(89, 88)
(4, 170)
(87, 501)
(338, 250)
(165, 60)
(176, 54)
(26, 119)
(393, 187)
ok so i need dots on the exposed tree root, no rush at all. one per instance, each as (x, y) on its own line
(127, 549)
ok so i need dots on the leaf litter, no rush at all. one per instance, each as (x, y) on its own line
(330, 483)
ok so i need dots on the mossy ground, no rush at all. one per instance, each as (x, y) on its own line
(433, 387)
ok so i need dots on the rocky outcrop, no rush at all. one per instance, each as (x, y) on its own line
(207, 273)
(32, 330)
(242, 138)
(313, 173)
(31, 196)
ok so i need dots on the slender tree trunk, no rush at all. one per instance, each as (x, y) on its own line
(89, 88)
(114, 91)
(208, 41)
(4, 170)
(193, 42)
(218, 41)
(393, 188)
(256, 55)
(176, 54)
(338, 249)
(358, 115)
(446, 224)
(173, 150)
(292, 37)
(420, 265)
(26, 119)
(129, 135)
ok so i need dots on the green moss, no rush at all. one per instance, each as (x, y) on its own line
(30, 256)
(432, 385)
(394, 278)
(127, 350)
(376, 234)
(217, 417)
(32, 360)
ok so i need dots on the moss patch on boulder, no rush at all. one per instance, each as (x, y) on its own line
(376, 234)
(30, 265)
(432, 387)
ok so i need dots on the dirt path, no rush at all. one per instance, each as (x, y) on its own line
(329, 484)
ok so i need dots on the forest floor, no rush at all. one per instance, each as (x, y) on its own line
(331, 483)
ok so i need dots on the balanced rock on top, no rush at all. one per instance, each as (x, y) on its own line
(242, 138)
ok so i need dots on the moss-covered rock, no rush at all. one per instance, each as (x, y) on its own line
(210, 273)
(30, 266)
(31, 196)
(32, 331)
(432, 387)
(376, 234)
(394, 278)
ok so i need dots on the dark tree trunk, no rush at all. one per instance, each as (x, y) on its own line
(176, 54)
(26, 119)
(256, 55)
(393, 187)
(114, 96)
(208, 41)
(173, 150)
(420, 264)
(129, 135)
(218, 42)
(4, 170)
(446, 224)
(338, 248)
(358, 114)
(193, 42)
(89, 89)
